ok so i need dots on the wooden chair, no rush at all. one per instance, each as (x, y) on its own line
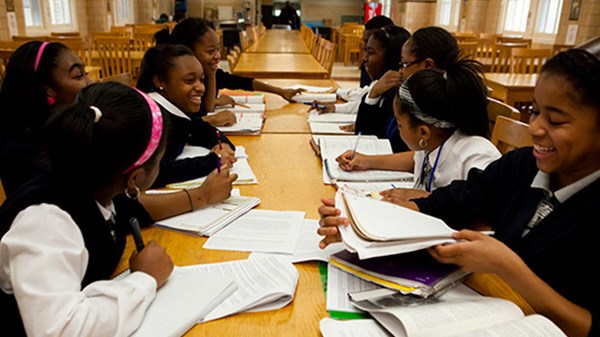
(124, 78)
(501, 57)
(81, 47)
(492, 36)
(469, 49)
(10, 45)
(327, 55)
(244, 40)
(142, 40)
(557, 48)
(231, 61)
(510, 134)
(125, 31)
(68, 34)
(497, 108)
(529, 61)
(115, 55)
(352, 48)
(464, 37)
(23, 39)
(511, 39)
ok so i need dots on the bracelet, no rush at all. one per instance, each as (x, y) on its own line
(189, 198)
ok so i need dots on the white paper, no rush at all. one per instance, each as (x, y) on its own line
(530, 326)
(307, 246)
(190, 151)
(339, 284)
(372, 189)
(307, 97)
(352, 328)
(246, 123)
(265, 283)
(248, 108)
(315, 116)
(260, 231)
(241, 167)
(246, 97)
(328, 128)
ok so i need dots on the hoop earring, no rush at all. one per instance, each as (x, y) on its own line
(132, 196)
(422, 143)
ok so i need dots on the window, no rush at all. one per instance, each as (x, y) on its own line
(123, 12)
(387, 8)
(448, 13)
(548, 16)
(43, 16)
(516, 16)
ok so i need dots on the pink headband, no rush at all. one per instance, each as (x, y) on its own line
(157, 126)
(39, 56)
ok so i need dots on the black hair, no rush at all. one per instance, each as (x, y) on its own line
(378, 22)
(158, 60)
(435, 43)
(186, 32)
(582, 70)
(457, 95)
(392, 38)
(23, 95)
(91, 154)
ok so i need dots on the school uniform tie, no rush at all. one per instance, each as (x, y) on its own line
(112, 226)
(545, 207)
(425, 174)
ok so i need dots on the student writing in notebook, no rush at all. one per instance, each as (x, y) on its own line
(63, 234)
(199, 35)
(42, 77)
(442, 117)
(541, 202)
(174, 78)
(382, 58)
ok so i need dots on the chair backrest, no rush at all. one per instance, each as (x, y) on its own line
(59, 34)
(80, 47)
(231, 61)
(114, 54)
(124, 78)
(22, 38)
(125, 31)
(501, 56)
(486, 45)
(510, 134)
(142, 41)
(4, 57)
(529, 61)
(557, 48)
(353, 45)
(497, 108)
(469, 49)
(511, 39)
(244, 40)
(327, 55)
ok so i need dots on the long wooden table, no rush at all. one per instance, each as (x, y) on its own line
(290, 178)
(511, 88)
(279, 65)
(279, 41)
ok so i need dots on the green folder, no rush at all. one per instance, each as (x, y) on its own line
(332, 313)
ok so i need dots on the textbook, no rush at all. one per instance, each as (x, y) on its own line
(243, 97)
(208, 220)
(379, 228)
(414, 273)
(320, 128)
(457, 316)
(264, 283)
(315, 116)
(183, 301)
(332, 147)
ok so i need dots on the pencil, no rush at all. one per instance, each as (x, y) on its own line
(243, 105)
(137, 234)
(355, 146)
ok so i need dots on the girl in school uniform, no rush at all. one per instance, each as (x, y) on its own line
(199, 35)
(442, 117)
(174, 78)
(541, 202)
(382, 58)
(63, 234)
(42, 77)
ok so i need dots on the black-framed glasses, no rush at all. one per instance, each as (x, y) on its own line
(405, 65)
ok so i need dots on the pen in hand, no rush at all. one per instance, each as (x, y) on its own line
(355, 146)
(219, 164)
(315, 105)
(137, 234)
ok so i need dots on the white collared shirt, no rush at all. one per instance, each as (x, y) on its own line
(460, 153)
(542, 180)
(372, 101)
(43, 260)
(352, 97)
(160, 99)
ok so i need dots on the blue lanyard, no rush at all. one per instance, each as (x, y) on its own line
(391, 129)
(437, 158)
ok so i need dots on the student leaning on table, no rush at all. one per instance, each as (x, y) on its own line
(64, 233)
(542, 202)
(442, 117)
(382, 58)
(174, 78)
(42, 77)
(199, 35)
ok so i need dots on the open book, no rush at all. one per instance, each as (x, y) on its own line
(321, 128)
(247, 124)
(184, 300)
(264, 283)
(379, 228)
(480, 316)
(332, 147)
(208, 220)
(315, 116)
(415, 273)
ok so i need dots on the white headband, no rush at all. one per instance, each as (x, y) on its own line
(413, 109)
(97, 112)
